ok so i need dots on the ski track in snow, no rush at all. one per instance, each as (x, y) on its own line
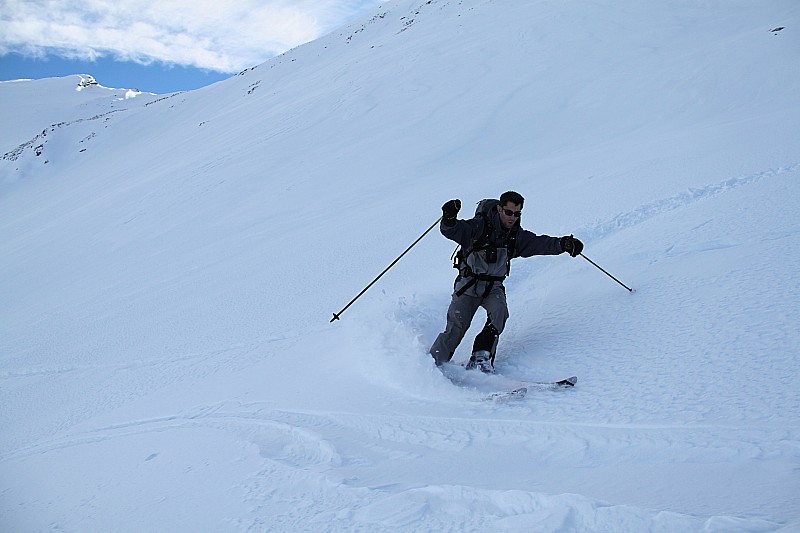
(338, 461)
(684, 199)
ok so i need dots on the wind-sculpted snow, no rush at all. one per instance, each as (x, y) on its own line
(351, 467)
(168, 277)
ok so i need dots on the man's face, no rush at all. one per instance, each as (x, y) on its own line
(509, 214)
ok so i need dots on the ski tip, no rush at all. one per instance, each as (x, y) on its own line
(569, 382)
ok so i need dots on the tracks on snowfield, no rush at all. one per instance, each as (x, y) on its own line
(678, 201)
(363, 468)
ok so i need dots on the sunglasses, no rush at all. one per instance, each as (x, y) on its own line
(510, 213)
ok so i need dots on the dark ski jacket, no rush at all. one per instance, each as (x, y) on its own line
(483, 270)
(528, 244)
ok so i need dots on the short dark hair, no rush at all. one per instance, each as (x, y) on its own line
(513, 197)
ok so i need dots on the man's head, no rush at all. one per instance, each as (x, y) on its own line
(510, 208)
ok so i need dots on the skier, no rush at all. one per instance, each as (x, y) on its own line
(488, 243)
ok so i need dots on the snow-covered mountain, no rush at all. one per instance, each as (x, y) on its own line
(170, 263)
(32, 109)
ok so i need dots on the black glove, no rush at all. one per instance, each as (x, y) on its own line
(450, 212)
(571, 245)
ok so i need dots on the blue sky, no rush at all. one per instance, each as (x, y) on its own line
(159, 47)
(155, 78)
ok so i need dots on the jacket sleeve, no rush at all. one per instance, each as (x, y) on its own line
(463, 231)
(529, 244)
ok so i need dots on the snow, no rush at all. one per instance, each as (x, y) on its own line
(170, 265)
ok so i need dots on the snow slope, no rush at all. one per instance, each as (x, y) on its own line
(32, 109)
(168, 274)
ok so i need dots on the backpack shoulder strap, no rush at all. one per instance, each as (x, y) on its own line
(511, 243)
(486, 235)
(511, 246)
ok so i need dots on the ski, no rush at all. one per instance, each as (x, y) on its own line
(519, 392)
(548, 385)
(505, 396)
(569, 382)
(506, 388)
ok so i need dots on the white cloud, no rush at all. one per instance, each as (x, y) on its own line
(222, 35)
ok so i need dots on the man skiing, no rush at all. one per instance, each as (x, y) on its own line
(488, 243)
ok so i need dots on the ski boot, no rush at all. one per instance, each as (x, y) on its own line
(482, 360)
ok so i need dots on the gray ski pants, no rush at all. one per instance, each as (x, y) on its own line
(459, 317)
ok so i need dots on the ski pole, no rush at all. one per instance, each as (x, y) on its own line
(336, 315)
(606, 273)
